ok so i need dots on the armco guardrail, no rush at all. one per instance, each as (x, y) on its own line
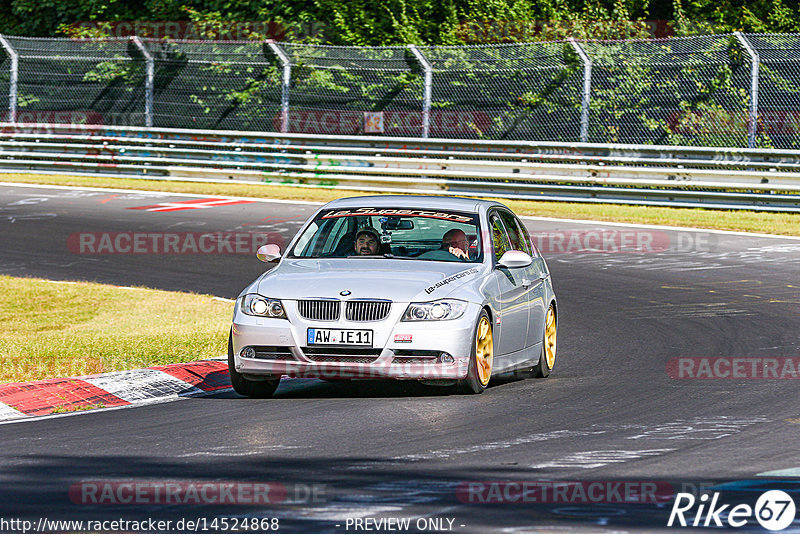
(728, 178)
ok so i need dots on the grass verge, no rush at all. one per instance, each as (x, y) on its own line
(61, 329)
(738, 220)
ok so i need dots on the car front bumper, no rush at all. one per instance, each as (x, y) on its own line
(400, 350)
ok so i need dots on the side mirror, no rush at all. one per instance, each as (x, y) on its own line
(514, 259)
(268, 253)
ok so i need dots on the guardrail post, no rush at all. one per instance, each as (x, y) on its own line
(752, 123)
(426, 90)
(13, 79)
(148, 82)
(285, 82)
(587, 88)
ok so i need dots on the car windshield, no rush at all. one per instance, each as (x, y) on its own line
(416, 234)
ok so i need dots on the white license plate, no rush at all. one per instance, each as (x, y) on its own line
(328, 336)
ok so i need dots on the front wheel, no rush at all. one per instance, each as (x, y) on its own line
(249, 388)
(482, 357)
(547, 358)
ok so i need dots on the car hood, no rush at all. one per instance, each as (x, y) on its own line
(396, 280)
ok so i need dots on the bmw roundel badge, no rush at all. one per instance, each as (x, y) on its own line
(344, 293)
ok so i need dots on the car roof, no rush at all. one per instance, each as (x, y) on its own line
(470, 205)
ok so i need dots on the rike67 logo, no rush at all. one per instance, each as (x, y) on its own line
(774, 510)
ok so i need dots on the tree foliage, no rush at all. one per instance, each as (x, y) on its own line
(366, 22)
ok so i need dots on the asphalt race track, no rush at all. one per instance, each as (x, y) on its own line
(338, 451)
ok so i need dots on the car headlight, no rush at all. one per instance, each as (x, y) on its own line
(438, 310)
(259, 306)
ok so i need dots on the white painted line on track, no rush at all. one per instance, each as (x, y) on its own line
(313, 203)
(598, 458)
(233, 450)
(791, 472)
(497, 445)
(439, 454)
(71, 282)
(160, 193)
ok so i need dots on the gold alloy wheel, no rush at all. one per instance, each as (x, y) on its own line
(550, 338)
(484, 350)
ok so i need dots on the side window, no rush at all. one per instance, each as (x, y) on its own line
(500, 241)
(302, 246)
(513, 231)
(517, 232)
(321, 239)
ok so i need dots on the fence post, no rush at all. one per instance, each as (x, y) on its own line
(587, 88)
(752, 123)
(149, 80)
(285, 81)
(13, 79)
(426, 91)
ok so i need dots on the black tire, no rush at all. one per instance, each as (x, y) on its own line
(547, 356)
(482, 355)
(261, 389)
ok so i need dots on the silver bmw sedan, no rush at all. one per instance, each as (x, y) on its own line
(450, 291)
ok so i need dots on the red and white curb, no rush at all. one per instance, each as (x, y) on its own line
(122, 388)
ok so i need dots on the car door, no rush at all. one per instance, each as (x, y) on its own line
(512, 298)
(533, 277)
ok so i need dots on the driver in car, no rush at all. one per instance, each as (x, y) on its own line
(455, 247)
(367, 242)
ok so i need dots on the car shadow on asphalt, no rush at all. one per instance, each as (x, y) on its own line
(312, 388)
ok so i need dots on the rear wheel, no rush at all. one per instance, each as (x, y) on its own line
(482, 357)
(244, 386)
(547, 358)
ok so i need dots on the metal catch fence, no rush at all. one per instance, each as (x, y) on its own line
(731, 90)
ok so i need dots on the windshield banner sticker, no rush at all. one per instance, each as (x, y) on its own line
(399, 213)
(449, 279)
